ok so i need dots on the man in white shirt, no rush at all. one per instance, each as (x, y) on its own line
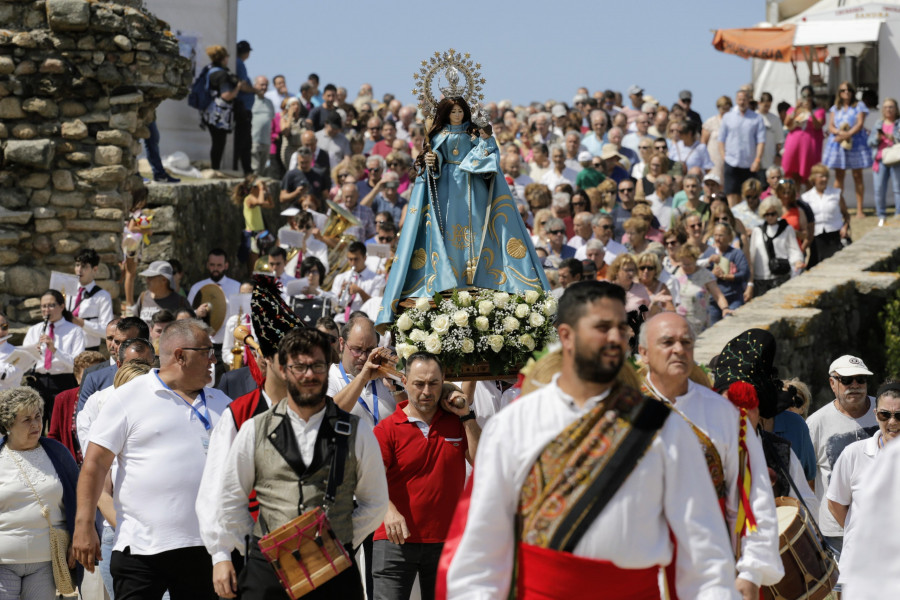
(666, 346)
(277, 263)
(835, 426)
(849, 476)
(512, 166)
(357, 284)
(217, 266)
(876, 563)
(304, 433)
(91, 307)
(157, 427)
(603, 227)
(558, 173)
(661, 201)
(621, 540)
(279, 92)
(583, 231)
(354, 382)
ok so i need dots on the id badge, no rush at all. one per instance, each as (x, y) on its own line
(204, 439)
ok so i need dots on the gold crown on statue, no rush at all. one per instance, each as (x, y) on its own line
(452, 65)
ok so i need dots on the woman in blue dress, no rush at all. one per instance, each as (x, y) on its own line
(846, 147)
(462, 228)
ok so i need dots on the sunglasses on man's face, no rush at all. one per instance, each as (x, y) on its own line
(384, 239)
(558, 232)
(860, 379)
(885, 415)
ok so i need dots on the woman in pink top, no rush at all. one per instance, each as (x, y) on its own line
(885, 134)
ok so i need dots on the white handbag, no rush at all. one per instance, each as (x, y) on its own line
(890, 156)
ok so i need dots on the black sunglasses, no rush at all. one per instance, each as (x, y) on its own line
(851, 379)
(558, 232)
(885, 415)
(385, 239)
(647, 268)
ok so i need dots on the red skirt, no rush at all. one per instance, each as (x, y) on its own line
(545, 574)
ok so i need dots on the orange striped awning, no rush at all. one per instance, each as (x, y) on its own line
(767, 43)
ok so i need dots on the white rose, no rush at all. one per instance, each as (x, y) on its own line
(417, 335)
(404, 323)
(501, 299)
(536, 319)
(510, 323)
(465, 298)
(441, 324)
(522, 310)
(482, 323)
(531, 296)
(461, 318)
(433, 344)
(527, 341)
(496, 342)
(423, 304)
(550, 306)
(485, 307)
(406, 350)
(467, 346)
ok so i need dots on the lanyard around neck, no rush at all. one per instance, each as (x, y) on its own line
(374, 410)
(203, 419)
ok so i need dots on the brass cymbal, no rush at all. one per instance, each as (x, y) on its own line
(218, 306)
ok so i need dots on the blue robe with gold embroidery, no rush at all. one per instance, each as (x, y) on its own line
(465, 211)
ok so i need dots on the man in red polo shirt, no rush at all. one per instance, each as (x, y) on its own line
(424, 444)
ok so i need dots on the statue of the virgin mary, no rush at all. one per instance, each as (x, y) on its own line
(462, 228)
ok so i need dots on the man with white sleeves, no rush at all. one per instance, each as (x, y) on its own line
(637, 477)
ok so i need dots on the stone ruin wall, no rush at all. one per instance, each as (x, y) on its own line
(79, 81)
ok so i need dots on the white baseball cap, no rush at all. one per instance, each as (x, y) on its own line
(847, 366)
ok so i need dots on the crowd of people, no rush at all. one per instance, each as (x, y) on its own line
(161, 470)
(756, 190)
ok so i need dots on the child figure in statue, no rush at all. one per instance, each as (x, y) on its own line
(462, 228)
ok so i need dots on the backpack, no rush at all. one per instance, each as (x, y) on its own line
(200, 96)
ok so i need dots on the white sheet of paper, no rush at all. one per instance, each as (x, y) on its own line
(65, 283)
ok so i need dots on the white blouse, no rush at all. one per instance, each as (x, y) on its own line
(826, 208)
(24, 536)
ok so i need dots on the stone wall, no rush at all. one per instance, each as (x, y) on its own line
(829, 311)
(79, 81)
(190, 218)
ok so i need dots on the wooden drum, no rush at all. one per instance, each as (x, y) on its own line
(810, 572)
(305, 553)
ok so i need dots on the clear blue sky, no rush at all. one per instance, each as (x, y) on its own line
(528, 50)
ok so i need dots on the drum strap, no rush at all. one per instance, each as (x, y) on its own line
(342, 430)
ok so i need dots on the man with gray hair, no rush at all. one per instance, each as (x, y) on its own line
(661, 201)
(573, 149)
(583, 232)
(594, 140)
(261, 125)
(616, 136)
(604, 227)
(149, 424)
(558, 173)
(375, 166)
(407, 118)
(666, 345)
(543, 133)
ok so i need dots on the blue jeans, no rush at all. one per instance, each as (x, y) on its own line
(880, 179)
(715, 313)
(151, 145)
(106, 546)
